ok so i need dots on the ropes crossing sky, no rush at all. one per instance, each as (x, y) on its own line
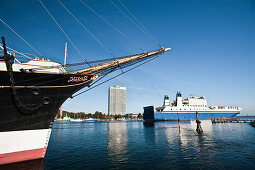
(141, 25)
(137, 25)
(93, 36)
(20, 37)
(64, 32)
(100, 16)
(158, 55)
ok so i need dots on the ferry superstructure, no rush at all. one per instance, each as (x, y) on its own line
(186, 109)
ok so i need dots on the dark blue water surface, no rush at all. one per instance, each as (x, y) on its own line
(135, 145)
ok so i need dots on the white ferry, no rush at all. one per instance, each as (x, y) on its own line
(186, 109)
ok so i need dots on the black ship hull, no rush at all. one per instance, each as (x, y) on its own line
(32, 102)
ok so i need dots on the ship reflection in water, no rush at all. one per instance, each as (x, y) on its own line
(33, 164)
(137, 145)
(189, 145)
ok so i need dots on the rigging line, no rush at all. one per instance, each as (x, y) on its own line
(20, 37)
(117, 75)
(64, 32)
(135, 23)
(23, 54)
(85, 27)
(103, 76)
(87, 30)
(138, 21)
(102, 60)
(91, 62)
(100, 16)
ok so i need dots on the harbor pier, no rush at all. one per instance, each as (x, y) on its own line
(232, 120)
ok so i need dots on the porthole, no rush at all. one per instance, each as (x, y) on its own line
(35, 92)
(46, 100)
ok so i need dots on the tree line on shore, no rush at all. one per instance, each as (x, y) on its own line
(96, 115)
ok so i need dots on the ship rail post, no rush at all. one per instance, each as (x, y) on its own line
(179, 125)
(179, 122)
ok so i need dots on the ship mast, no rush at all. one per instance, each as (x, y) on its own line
(118, 62)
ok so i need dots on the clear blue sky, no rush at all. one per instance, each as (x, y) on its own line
(212, 41)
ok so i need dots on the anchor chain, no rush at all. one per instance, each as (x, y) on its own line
(9, 60)
(19, 104)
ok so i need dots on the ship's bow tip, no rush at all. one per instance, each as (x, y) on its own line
(167, 49)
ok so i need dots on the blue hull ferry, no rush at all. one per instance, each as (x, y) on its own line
(186, 109)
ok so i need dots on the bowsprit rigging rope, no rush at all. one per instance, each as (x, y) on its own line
(73, 67)
(101, 17)
(12, 50)
(63, 32)
(20, 37)
(154, 57)
(139, 27)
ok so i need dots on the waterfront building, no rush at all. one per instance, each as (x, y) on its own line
(117, 100)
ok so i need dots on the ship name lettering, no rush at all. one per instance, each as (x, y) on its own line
(78, 79)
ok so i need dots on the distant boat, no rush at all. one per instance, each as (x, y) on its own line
(76, 120)
(64, 119)
(91, 120)
(121, 119)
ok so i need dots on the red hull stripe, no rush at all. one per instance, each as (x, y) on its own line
(20, 156)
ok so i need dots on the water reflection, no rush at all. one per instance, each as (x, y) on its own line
(187, 133)
(149, 124)
(27, 165)
(187, 144)
(149, 134)
(117, 142)
(137, 145)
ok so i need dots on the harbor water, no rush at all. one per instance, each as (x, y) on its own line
(136, 145)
